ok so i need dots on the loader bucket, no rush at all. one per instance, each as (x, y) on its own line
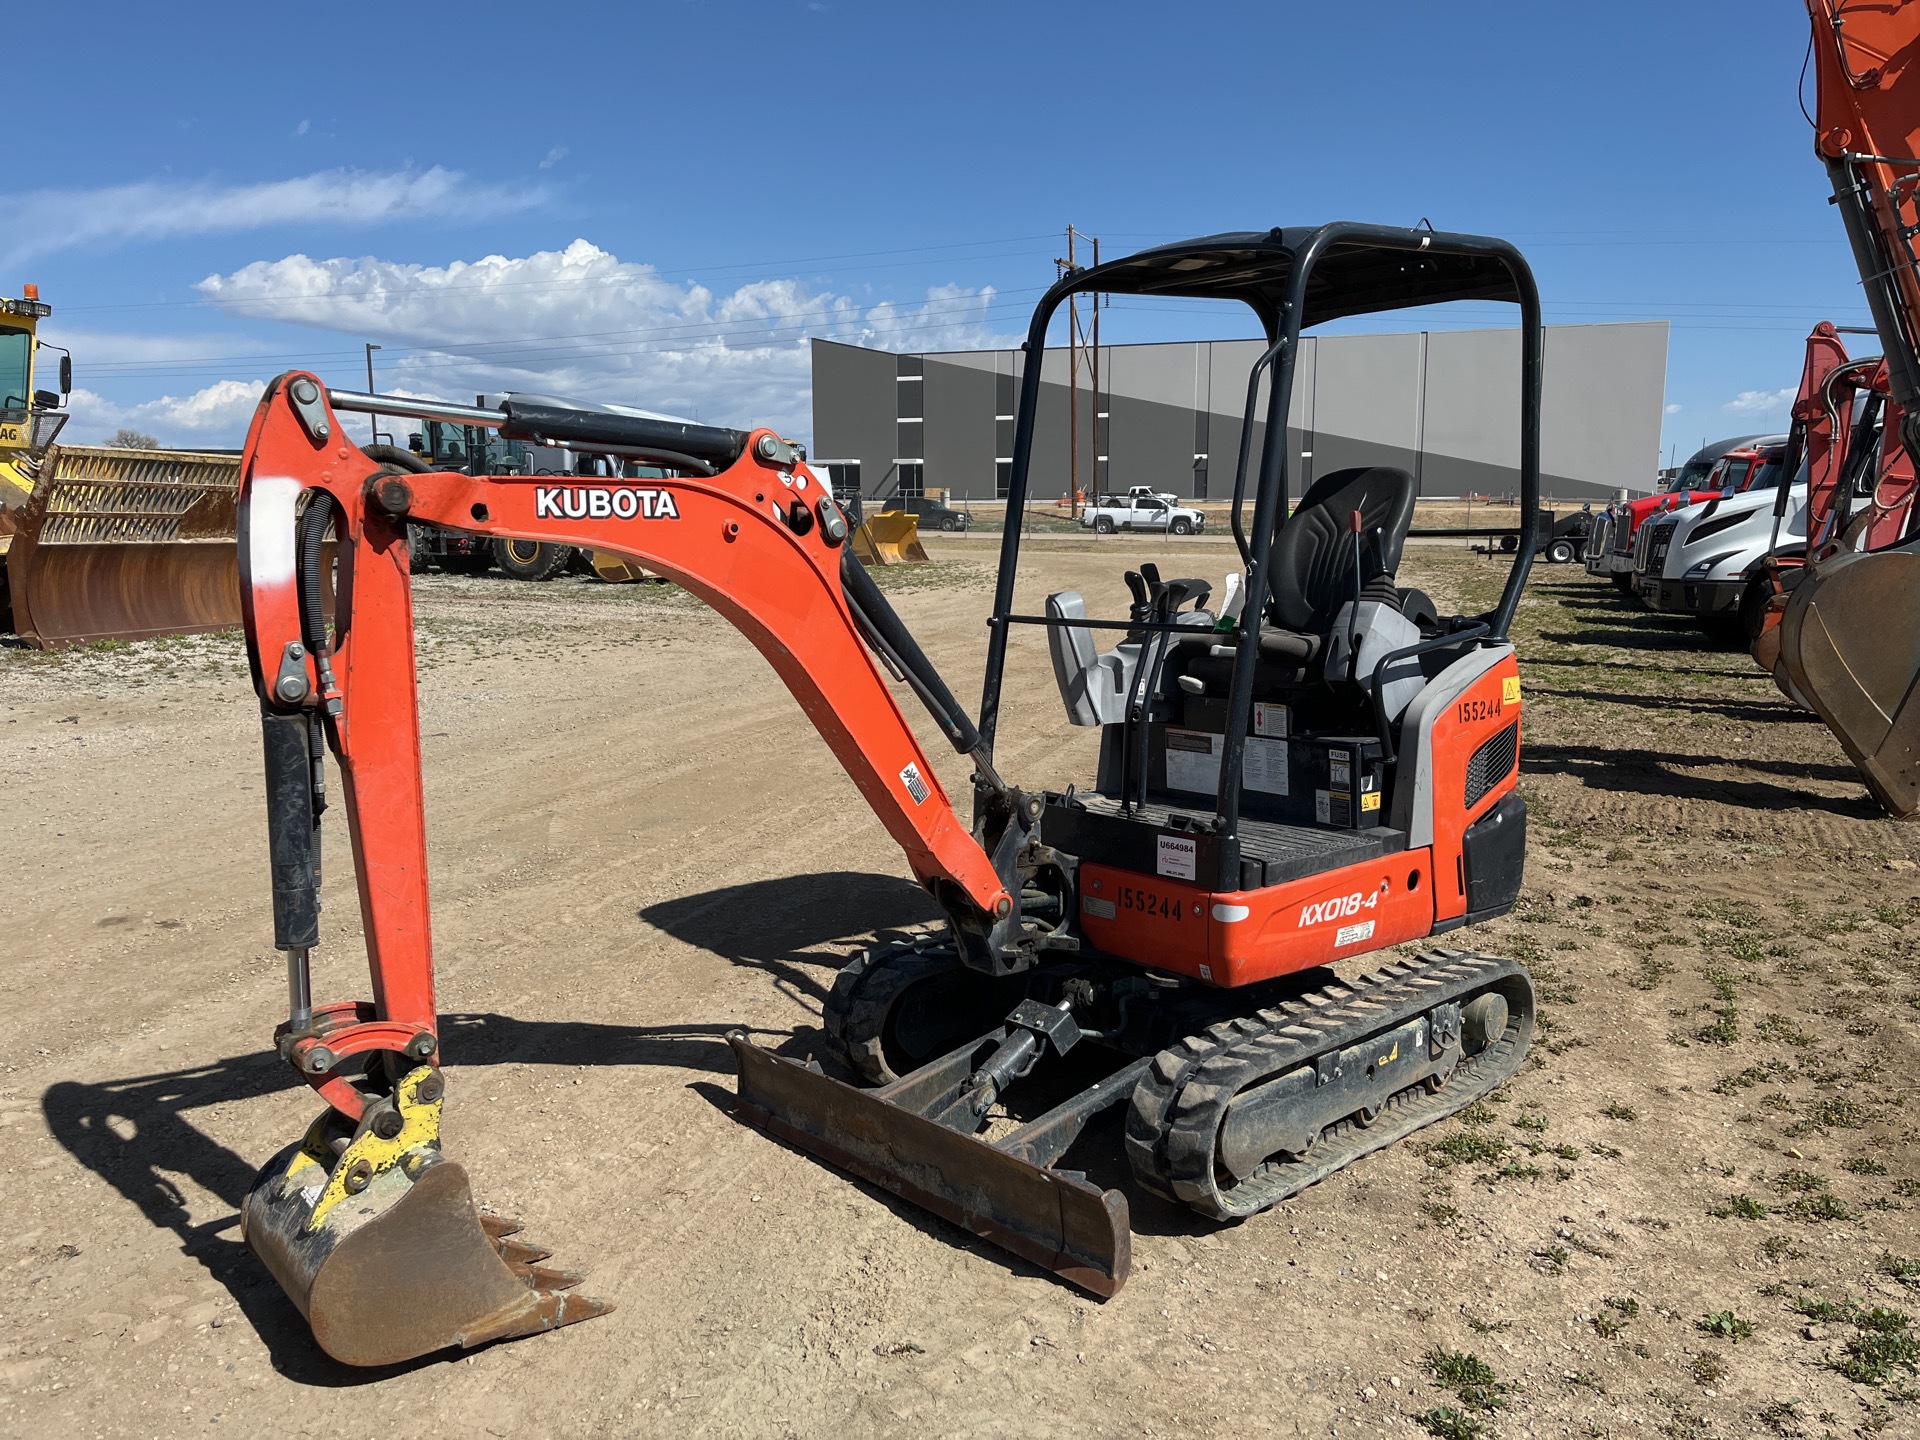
(617, 569)
(891, 537)
(124, 545)
(378, 1242)
(1004, 1192)
(1850, 645)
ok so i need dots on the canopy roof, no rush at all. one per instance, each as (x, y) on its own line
(1369, 269)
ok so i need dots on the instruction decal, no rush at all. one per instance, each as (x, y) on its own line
(916, 783)
(595, 502)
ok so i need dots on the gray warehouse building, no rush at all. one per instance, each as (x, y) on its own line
(1441, 404)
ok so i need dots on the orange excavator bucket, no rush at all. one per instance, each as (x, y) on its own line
(892, 537)
(124, 544)
(1850, 646)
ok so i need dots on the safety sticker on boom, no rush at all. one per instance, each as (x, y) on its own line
(916, 786)
(584, 502)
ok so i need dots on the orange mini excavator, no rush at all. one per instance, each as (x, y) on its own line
(1317, 768)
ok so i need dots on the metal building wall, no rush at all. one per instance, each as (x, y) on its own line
(1442, 404)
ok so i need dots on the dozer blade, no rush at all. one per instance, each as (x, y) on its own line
(382, 1248)
(891, 537)
(1850, 646)
(998, 1191)
(124, 545)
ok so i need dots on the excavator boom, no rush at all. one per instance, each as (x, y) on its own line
(364, 1224)
(1849, 632)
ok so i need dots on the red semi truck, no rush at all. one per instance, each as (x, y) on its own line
(1610, 548)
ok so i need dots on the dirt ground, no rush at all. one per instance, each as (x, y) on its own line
(1692, 1214)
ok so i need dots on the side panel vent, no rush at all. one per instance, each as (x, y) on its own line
(1492, 763)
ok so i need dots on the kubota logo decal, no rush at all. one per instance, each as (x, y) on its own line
(582, 502)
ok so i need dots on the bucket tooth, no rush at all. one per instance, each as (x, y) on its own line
(498, 1227)
(519, 1252)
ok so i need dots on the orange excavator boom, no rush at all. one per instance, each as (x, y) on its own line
(1849, 632)
(343, 1218)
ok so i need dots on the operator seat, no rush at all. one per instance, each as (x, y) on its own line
(1310, 572)
(1312, 558)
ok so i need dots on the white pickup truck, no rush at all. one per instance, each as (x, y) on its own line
(1141, 512)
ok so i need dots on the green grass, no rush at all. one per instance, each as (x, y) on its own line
(1449, 1422)
(1617, 1111)
(1803, 1182)
(1468, 1377)
(1466, 1148)
(1740, 1207)
(1903, 1268)
(1874, 1356)
(1864, 1165)
(1724, 1325)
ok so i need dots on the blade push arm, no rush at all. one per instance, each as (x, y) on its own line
(760, 540)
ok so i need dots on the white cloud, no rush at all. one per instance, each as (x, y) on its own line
(1673, 409)
(554, 157)
(1757, 402)
(40, 222)
(584, 323)
(216, 415)
(302, 127)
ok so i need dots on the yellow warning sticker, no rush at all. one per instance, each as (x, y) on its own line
(1510, 690)
(1370, 801)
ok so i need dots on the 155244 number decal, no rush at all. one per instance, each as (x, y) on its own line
(1147, 902)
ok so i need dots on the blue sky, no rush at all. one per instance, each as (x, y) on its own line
(659, 203)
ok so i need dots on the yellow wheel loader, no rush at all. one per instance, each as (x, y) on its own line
(102, 542)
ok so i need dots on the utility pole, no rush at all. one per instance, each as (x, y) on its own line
(373, 421)
(1078, 345)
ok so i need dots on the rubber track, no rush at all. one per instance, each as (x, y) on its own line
(1180, 1104)
(865, 990)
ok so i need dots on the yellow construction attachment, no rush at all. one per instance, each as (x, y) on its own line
(617, 569)
(891, 537)
(120, 544)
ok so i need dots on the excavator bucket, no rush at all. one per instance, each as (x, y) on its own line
(1850, 646)
(891, 537)
(123, 545)
(1004, 1191)
(616, 569)
(376, 1238)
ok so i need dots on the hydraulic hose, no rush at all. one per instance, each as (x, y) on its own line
(315, 521)
(887, 632)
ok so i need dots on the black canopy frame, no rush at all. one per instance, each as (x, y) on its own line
(1293, 279)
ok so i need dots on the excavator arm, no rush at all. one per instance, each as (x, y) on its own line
(325, 585)
(1849, 632)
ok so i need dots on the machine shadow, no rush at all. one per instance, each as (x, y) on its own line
(1601, 768)
(135, 1134)
(1751, 712)
(781, 925)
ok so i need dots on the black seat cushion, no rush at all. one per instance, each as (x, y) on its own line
(1312, 558)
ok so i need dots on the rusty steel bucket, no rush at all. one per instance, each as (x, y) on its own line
(123, 544)
(375, 1236)
(1850, 645)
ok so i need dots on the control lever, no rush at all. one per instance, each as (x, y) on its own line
(1357, 523)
